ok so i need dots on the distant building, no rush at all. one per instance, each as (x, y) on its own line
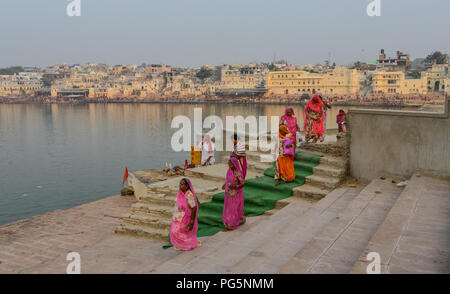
(24, 83)
(340, 81)
(396, 83)
(238, 80)
(242, 77)
(435, 79)
(438, 78)
(158, 68)
(401, 63)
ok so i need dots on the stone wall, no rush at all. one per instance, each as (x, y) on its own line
(399, 143)
(337, 148)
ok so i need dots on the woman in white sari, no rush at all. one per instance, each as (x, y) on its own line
(208, 148)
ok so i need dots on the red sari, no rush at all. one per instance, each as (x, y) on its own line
(313, 119)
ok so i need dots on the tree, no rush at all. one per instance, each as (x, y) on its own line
(11, 70)
(414, 74)
(305, 96)
(272, 67)
(357, 65)
(47, 80)
(204, 73)
(218, 73)
(437, 57)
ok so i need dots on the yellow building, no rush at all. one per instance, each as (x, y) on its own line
(438, 78)
(396, 83)
(340, 81)
(242, 77)
(23, 83)
(388, 82)
(98, 92)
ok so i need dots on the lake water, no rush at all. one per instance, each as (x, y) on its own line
(59, 156)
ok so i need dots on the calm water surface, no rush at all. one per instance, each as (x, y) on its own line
(59, 156)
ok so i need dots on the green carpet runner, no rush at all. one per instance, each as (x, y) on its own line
(260, 195)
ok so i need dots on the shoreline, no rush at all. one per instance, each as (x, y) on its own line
(239, 102)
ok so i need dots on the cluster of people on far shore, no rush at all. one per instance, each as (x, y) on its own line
(183, 230)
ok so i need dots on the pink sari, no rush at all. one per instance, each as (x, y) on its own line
(180, 236)
(233, 207)
(243, 164)
(290, 122)
(242, 161)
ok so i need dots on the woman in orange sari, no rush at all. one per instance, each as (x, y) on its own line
(284, 166)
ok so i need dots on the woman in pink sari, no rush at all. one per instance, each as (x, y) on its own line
(313, 119)
(183, 230)
(233, 206)
(289, 120)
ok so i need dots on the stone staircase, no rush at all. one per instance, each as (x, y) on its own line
(415, 235)
(150, 217)
(328, 175)
(408, 229)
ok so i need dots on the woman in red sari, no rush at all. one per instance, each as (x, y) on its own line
(289, 120)
(313, 117)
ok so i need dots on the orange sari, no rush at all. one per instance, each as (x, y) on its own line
(284, 166)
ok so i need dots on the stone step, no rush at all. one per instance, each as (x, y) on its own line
(163, 211)
(204, 188)
(329, 171)
(215, 172)
(335, 161)
(224, 249)
(413, 238)
(144, 219)
(326, 182)
(258, 167)
(339, 244)
(143, 231)
(310, 191)
(259, 144)
(251, 155)
(285, 242)
(159, 199)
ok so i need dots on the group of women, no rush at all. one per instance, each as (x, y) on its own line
(184, 226)
(183, 231)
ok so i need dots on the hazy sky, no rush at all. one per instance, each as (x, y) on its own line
(196, 32)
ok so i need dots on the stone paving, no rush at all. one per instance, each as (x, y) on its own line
(337, 247)
(415, 236)
(409, 228)
(40, 244)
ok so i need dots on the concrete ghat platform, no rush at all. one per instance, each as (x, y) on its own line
(40, 244)
(409, 228)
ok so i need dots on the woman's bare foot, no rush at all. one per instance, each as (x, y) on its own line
(227, 228)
